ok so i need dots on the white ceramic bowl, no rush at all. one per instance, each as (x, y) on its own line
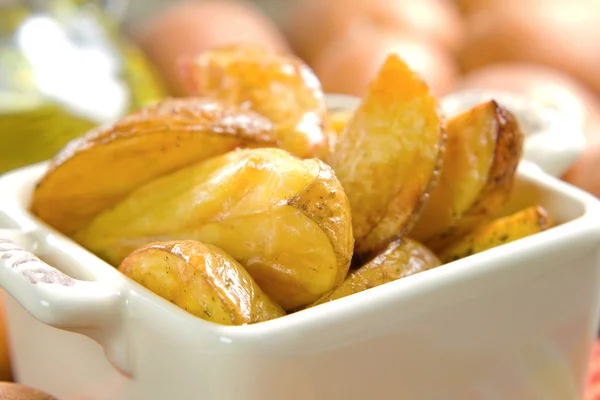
(515, 322)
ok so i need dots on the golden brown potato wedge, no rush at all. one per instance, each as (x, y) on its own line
(201, 279)
(279, 86)
(389, 155)
(96, 171)
(498, 232)
(483, 151)
(287, 220)
(401, 258)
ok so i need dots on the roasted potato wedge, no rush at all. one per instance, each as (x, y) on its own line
(279, 86)
(98, 170)
(498, 232)
(286, 220)
(401, 258)
(483, 151)
(389, 155)
(201, 279)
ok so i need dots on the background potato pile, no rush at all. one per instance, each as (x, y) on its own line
(548, 49)
(250, 200)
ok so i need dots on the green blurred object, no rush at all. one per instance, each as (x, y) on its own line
(64, 69)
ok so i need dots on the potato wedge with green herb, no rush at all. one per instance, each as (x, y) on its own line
(483, 151)
(500, 231)
(400, 259)
(201, 279)
(278, 86)
(389, 155)
(99, 169)
(286, 220)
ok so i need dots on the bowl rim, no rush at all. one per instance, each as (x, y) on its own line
(21, 181)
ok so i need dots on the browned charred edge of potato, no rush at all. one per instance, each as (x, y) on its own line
(286, 220)
(389, 155)
(94, 172)
(400, 259)
(201, 279)
(498, 185)
(278, 85)
(472, 150)
(326, 203)
(504, 230)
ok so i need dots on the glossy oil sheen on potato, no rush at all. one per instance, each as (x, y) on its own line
(389, 155)
(498, 232)
(201, 279)
(285, 219)
(400, 259)
(99, 169)
(279, 86)
(483, 151)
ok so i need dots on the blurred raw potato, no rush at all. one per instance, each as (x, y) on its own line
(547, 85)
(467, 7)
(483, 149)
(278, 86)
(5, 360)
(504, 230)
(201, 279)
(349, 64)
(470, 6)
(99, 169)
(400, 259)
(15, 391)
(560, 34)
(585, 173)
(389, 156)
(188, 28)
(286, 220)
(315, 24)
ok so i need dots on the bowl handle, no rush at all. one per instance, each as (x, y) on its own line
(58, 300)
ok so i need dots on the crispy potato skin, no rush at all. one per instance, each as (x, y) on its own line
(389, 155)
(484, 148)
(401, 258)
(279, 86)
(201, 279)
(99, 169)
(498, 232)
(286, 220)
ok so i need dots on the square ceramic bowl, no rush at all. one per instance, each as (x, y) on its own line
(516, 322)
